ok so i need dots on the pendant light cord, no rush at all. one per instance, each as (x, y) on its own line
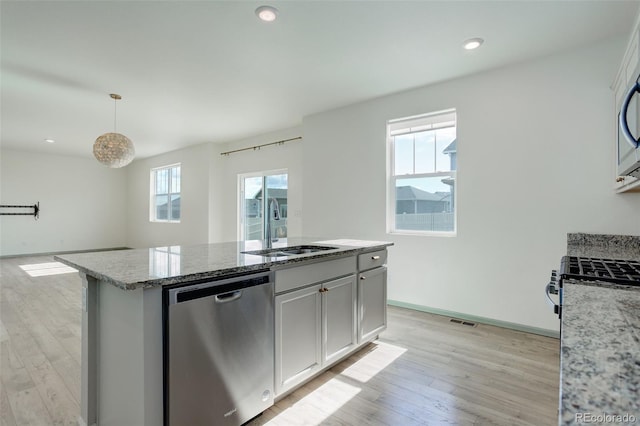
(115, 114)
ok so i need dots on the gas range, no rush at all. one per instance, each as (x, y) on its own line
(594, 269)
(616, 271)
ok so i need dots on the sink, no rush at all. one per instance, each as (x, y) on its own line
(289, 251)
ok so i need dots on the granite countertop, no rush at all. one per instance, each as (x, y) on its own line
(600, 339)
(600, 351)
(158, 266)
(603, 246)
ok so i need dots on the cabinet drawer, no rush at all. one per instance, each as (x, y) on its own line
(372, 260)
(300, 276)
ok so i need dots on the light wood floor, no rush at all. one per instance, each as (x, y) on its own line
(423, 370)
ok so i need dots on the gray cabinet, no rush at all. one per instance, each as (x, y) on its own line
(338, 318)
(372, 303)
(298, 336)
(314, 326)
(372, 259)
(325, 311)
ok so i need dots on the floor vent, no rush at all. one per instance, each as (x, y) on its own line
(459, 321)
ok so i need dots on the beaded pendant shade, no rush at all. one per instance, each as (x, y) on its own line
(114, 149)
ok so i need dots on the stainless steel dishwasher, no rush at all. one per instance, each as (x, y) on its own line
(219, 349)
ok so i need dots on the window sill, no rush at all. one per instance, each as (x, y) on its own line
(423, 233)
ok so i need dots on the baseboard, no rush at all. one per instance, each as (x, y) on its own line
(482, 320)
(55, 253)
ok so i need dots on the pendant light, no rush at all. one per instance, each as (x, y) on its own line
(114, 150)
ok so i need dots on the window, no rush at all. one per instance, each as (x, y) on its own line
(422, 179)
(165, 194)
(256, 192)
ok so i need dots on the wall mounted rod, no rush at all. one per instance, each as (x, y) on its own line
(35, 207)
(253, 148)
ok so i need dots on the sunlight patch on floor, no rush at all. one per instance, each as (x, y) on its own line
(318, 405)
(48, 268)
(315, 407)
(381, 356)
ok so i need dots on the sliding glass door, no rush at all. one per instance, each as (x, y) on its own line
(256, 192)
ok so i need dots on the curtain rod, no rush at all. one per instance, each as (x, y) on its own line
(260, 146)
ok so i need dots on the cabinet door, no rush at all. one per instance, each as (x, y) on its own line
(372, 307)
(298, 336)
(339, 318)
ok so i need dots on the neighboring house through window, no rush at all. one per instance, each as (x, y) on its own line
(165, 194)
(422, 180)
(256, 192)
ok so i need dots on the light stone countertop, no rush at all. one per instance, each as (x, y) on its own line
(600, 339)
(159, 266)
(600, 351)
(603, 246)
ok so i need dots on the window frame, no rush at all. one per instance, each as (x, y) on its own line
(152, 192)
(392, 178)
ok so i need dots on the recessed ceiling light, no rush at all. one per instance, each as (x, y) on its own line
(267, 13)
(473, 43)
(49, 140)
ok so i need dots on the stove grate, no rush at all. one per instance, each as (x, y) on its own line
(610, 270)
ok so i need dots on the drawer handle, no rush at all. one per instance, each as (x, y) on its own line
(620, 179)
(375, 257)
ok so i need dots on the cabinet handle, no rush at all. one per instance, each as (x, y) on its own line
(623, 125)
(323, 290)
(362, 277)
(375, 257)
(620, 179)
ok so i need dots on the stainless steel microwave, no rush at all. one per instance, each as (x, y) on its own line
(629, 132)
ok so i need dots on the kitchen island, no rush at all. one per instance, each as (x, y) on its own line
(600, 339)
(122, 378)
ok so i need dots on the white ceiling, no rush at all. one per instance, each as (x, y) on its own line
(209, 71)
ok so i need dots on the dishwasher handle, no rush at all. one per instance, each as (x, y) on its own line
(224, 290)
(228, 297)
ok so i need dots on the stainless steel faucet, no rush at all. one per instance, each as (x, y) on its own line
(273, 209)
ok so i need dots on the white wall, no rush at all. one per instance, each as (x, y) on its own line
(535, 158)
(194, 203)
(286, 156)
(83, 203)
(535, 150)
(209, 200)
